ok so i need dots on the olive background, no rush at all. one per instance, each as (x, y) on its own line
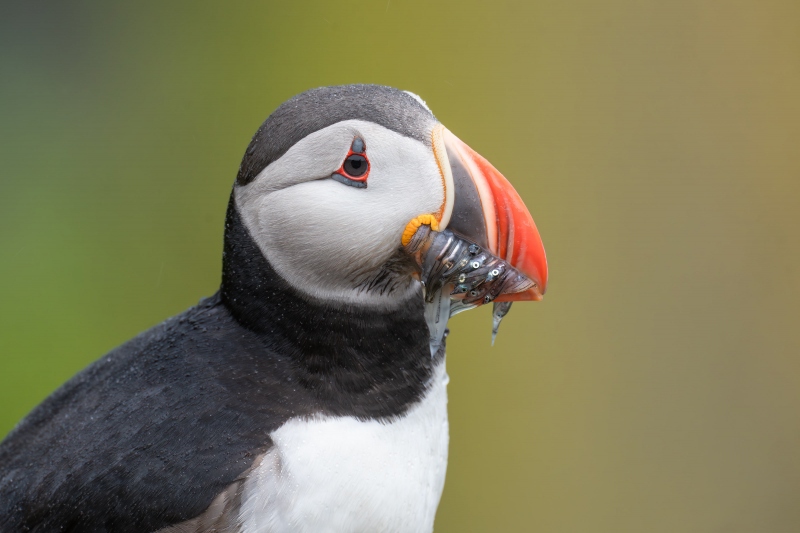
(657, 386)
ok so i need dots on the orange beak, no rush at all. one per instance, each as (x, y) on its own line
(489, 212)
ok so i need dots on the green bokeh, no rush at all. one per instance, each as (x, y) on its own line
(656, 388)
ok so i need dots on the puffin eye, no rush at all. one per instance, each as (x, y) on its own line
(355, 169)
(355, 165)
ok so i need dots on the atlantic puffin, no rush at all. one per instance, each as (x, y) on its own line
(309, 393)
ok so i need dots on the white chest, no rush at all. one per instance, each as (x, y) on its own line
(345, 475)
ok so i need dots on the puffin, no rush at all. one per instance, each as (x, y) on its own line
(309, 393)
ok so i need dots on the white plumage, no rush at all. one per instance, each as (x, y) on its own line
(341, 474)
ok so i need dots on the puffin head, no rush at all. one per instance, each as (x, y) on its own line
(337, 180)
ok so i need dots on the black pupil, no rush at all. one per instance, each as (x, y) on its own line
(355, 165)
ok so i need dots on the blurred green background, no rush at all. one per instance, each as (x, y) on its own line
(657, 144)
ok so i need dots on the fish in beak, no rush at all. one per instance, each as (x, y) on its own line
(482, 247)
(489, 212)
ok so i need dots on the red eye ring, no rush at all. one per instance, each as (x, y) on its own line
(355, 168)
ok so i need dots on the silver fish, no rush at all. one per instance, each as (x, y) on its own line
(459, 275)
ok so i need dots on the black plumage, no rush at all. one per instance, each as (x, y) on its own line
(148, 435)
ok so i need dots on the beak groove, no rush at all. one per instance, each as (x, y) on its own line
(488, 211)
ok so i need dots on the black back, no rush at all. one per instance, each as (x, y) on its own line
(148, 435)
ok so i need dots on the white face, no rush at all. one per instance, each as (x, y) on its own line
(328, 239)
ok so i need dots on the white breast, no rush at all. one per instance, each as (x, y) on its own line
(344, 475)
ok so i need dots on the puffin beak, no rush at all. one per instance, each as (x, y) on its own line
(488, 211)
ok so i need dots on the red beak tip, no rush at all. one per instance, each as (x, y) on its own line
(530, 295)
(535, 293)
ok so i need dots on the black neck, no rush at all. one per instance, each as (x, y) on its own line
(339, 349)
